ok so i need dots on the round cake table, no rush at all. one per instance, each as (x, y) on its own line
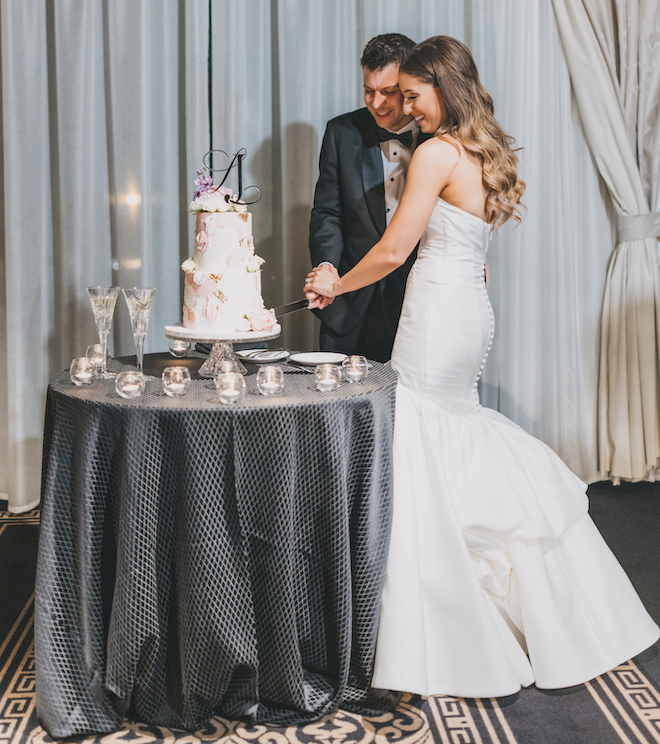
(198, 559)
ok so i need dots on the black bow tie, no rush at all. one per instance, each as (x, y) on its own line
(406, 138)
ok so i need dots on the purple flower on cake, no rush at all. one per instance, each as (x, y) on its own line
(262, 319)
(202, 182)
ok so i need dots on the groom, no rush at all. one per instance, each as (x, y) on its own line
(363, 164)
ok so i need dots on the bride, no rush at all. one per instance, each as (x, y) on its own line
(497, 578)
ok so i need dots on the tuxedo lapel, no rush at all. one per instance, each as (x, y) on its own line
(372, 177)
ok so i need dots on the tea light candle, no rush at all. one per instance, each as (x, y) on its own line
(179, 347)
(354, 375)
(175, 388)
(270, 380)
(129, 384)
(328, 377)
(175, 381)
(95, 355)
(230, 395)
(230, 387)
(355, 368)
(82, 371)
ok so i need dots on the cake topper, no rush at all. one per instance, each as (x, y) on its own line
(235, 160)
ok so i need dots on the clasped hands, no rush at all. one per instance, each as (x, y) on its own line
(320, 286)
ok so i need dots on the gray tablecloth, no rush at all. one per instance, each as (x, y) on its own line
(197, 559)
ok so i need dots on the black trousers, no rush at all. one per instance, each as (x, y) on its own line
(372, 336)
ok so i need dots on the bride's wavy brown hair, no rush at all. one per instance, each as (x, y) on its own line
(447, 64)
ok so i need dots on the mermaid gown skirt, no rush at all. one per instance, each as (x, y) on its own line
(497, 578)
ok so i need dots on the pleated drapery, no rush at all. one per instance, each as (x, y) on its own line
(612, 54)
(109, 107)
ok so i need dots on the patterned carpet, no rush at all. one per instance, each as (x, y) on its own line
(621, 706)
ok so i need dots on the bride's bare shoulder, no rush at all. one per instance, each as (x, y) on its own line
(441, 148)
(436, 159)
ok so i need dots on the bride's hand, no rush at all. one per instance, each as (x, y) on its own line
(319, 286)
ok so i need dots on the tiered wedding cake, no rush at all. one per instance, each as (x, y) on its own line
(222, 295)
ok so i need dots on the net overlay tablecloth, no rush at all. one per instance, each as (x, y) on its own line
(198, 559)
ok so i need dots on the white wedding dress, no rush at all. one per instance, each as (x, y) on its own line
(497, 578)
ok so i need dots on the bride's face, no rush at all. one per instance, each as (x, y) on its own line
(423, 101)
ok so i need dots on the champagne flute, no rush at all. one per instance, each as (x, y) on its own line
(139, 306)
(103, 301)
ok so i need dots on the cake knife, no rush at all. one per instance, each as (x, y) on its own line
(290, 307)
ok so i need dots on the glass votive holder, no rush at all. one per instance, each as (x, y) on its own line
(328, 377)
(95, 355)
(228, 365)
(129, 384)
(355, 368)
(175, 381)
(82, 371)
(270, 380)
(230, 387)
(179, 347)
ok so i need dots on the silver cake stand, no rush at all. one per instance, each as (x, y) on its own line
(223, 346)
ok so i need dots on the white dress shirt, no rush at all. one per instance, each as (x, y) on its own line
(396, 159)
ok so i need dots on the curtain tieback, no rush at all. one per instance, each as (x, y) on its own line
(638, 227)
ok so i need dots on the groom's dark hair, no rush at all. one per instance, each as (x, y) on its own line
(385, 50)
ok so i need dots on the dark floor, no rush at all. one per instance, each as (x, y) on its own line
(628, 517)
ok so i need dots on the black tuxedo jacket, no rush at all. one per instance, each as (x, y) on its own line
(348, 217)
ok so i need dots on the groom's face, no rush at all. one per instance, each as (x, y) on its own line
(383, 97)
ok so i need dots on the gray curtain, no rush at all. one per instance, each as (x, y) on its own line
(104, 99)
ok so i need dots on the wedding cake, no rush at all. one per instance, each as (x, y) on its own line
(222, 294)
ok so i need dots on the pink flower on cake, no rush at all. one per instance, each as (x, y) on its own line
(262, 319)
(221, 191)
(202, 240)
(211, 311)
(216, 199)
(208, 222)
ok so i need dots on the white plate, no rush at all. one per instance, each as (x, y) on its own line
(312, 358)
(262, 356)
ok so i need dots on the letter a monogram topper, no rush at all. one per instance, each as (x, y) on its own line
(236, 160)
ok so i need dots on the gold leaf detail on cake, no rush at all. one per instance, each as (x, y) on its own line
(220, 296)
(243, 216)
